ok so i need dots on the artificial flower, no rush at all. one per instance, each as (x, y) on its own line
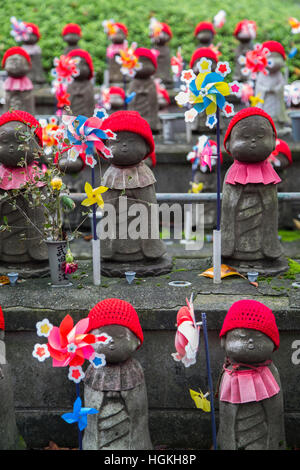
(94, 195)
(41, 352)
(56, 183)
(44, 327)
(177, 63)
(76, 374)
(128, 60)
(255, 100)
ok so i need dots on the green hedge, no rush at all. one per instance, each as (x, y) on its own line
(182, 16)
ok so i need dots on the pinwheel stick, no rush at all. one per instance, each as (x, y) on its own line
(210, 386)
(217, 232)
(95, 244)
(79, 432)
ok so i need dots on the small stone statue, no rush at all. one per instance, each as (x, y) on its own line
(9, 435)
(270, 87)
(71, 34)
(249, 205)
(18, 86)
(118, 389)
(145, 100)
(129, 176)
(81, 89)
(23, 243)
(281, 160)
(163, 96)
(204, 33)
(117, 98)
(198, 126)
(245, 33)
(36, 73)
(251, 410)
(118, 42)
(160, 43)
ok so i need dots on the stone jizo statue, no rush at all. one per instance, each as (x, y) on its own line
(71, 34)
(251, 413)
(160, 43)
(204, 33)
(245, 33)
(81, 89)
(36, 73)
(117, 390)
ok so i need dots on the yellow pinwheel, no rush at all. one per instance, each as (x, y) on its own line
(94, 195)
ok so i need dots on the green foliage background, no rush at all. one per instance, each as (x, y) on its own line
(271, 17)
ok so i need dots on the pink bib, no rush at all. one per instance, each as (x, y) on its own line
(18, 84)
(244, 173)
(114, 49)
(14, 178)
(243, 386)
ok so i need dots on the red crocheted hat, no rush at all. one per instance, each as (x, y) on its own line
(122, 27)
(34, 28)
(206, 52)
(131, 121)
(25, 118)
(244, 113)
(239, 26)
(143, 52)
(1, 319)
(71, 28)
(115, 312)
(85, 55)
(275, 46)
(15, 50)
(166, 28)
(204, 25)
(282, 147)
(253, 315)
(116, 90)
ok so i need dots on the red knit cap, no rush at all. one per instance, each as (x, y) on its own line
(166, 28)
(34, 28)
(204, 25)
(71, 28)
(116, 90)
(131, 121)
(143, 52)
(15, 50)
(206, 52)
(253, 315)
(122, 27)
(85, 55)
(244, 113)
(25, 118)
(282, 147)
(275, 46)
(1, 319)
(115, 312)
(239, 26)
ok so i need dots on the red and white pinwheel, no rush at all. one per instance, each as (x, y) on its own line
(187, 336)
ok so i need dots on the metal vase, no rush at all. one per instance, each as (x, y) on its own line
(57, 256)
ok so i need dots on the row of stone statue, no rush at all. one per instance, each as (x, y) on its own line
(251, 412)
(249, 204)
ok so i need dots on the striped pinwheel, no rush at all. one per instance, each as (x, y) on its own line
(207, 91)
(85, 136)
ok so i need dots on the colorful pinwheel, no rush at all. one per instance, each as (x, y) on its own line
(20, 31)
(128, 60)
(85, 136)
(219, 19)
(207, 91)
(65, 68)
(79, 414)
(155, 27)
(255, 61)
(295, 25)
(109, 27)
(177, 63)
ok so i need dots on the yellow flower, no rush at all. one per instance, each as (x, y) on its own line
(94, 195)
(56, 183)
(254, 100)
(196, 188)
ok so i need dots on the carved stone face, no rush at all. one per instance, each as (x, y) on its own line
(247, 346)
(128, 149)
(71, 39)
(276, 62)
(213, 66)
(10, 140)
(205, 37)
(84, 70)
(147, 69)
(122, 345)
(17, 66)
(251, 140)
(119, 37)
(32, 39)
(161, 39)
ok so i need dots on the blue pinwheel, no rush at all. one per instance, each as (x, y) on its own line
(79, 414)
